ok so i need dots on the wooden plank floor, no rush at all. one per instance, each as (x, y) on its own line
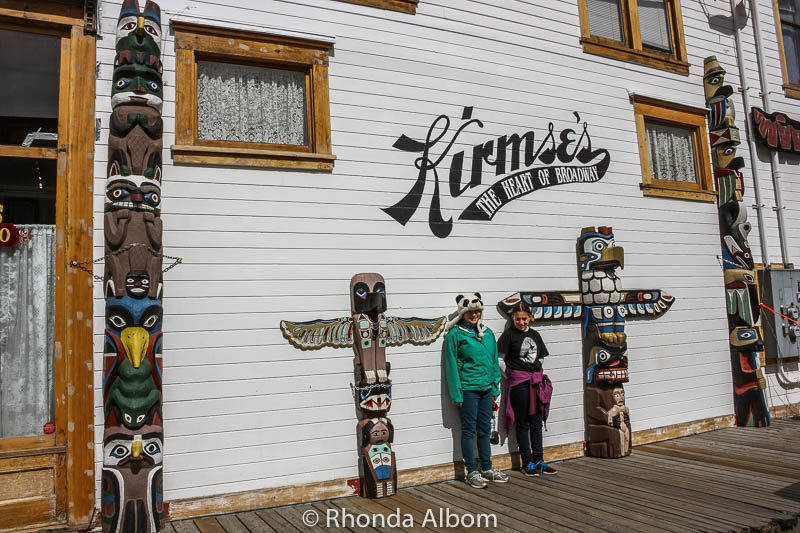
(733, 479)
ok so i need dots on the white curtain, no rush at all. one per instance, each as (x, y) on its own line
(604, 19)
(27, 330)
(672, 153)
(654, 25)
(250, 104)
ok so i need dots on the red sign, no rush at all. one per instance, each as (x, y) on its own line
(9, 235)
(49, 428)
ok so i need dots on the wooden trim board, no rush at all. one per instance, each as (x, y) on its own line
(339, 488)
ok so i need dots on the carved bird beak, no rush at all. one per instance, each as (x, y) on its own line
(614, 256)
(135, 340)
(136, 450)
(140, 26)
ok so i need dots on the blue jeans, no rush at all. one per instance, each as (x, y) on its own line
(476, 419)
(526, 425)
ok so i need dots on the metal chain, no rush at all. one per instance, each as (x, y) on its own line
(80, 264)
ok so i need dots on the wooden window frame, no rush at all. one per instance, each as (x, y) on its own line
(792, 90)
(632, 50)
(683, 116)
(404, 6)
(70, 449)
(197, 42)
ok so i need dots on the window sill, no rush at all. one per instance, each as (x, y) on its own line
(792, 91)
(250, 157)
(405, 6)
(640, 57)
(677, 192)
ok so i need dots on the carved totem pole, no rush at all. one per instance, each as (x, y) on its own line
(132, 441)
(369, 331)
(741, 294)
(602, 306)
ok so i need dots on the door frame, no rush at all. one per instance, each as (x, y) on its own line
(70, 449)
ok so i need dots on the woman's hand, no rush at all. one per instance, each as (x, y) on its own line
(458, 404)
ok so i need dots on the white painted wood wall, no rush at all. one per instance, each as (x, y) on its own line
(244, 410)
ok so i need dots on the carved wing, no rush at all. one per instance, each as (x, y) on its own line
(315, 334)
(547, 306)
(414, 330)
(646, 303)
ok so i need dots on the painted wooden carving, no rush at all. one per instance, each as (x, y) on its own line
(741, 295)
(603, 307)
(369, 331)
(131, 486)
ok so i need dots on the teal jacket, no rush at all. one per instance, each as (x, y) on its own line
(470, 363)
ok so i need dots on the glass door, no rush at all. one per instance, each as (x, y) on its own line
(31, 132)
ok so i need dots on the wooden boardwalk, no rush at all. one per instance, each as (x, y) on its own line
(733, 479)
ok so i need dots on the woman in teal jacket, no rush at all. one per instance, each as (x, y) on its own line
(473, 380)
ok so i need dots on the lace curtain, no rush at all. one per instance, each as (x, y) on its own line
(27, 330)
(672, 155)
(250, 104)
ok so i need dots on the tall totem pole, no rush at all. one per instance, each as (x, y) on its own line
(741, 295)
(132, 441)
(603, 307)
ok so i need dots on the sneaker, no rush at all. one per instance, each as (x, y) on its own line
(475, 480)
(545, 468)
(532, 470)
(494, 475)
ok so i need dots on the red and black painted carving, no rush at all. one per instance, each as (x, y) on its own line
(776, 130)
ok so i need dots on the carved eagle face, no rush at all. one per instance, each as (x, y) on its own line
(596, 250)
(367, 293)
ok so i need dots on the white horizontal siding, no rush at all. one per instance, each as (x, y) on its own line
(244, 410)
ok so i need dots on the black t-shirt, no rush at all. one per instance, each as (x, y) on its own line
(523, 350)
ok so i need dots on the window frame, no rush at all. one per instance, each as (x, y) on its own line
(682, 116)
(632, 50)
(195, 43)
(792, 90)
(404, 6)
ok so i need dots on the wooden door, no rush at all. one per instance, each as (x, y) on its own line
(46, 391)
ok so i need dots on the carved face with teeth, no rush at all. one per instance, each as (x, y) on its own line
(132, 192)
(376, 398)
(607, 363)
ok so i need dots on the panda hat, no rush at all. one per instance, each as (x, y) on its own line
(471, 302)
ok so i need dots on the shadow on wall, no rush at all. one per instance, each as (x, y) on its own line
(451, 421)
(724, 23)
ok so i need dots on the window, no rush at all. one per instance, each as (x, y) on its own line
(648, 32)
(406, 6)
(249, 99)
(787, 24)
(673, 148)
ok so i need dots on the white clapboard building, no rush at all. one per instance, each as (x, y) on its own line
(453, 146)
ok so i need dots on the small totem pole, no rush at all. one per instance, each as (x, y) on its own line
(132, 441)
(741, 296)
(369, 331)
(603, 307)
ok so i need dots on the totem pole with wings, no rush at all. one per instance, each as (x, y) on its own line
(602, 306)
(368, 330)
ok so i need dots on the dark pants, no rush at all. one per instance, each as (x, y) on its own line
(526, 424)
(476, 419)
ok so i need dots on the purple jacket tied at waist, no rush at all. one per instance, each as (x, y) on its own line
(541, 391)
